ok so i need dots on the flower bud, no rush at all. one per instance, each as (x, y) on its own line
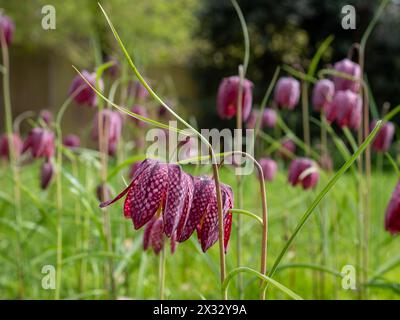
(287, 92)
(227, 98)
(269, 118)
(72, 141)
(112, 128)
(82, 92)
(46, 116)
(350, 68)
(46, 174)
(7, 28)
(323, 94)
(303, 171)
(269, 168)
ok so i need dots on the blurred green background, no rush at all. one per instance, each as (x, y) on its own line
(192, 44)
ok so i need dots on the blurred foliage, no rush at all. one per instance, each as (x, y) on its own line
(159, 31)
(289, 32)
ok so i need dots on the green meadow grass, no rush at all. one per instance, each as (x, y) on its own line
(328, 240)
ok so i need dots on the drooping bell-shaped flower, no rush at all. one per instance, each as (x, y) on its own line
(111, 123)
(269, 168)
(46, 174)
(384, 137)
(287, 92)
(392, 217)
(203, 214)
(141, 111)
(269, 118)
(323, 93)
(351, 69)
(303, 171)
(4, 145)
(41, 143)
(46, 116)
(72, 141)
(157, 186)
(287, 149)
(7, 28)
(83, 93)
(345, 109)
(227, 99)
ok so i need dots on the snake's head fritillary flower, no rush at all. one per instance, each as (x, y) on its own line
(138, 91)
(5, 148)
(41, 143)
(287, 149)
(287, 92)
(111, 123)
(203, 214)
(103, 192)
(269, 118)
(227, 98)
(141, 111)
(7, 28)
(46, 174)
(350, 68)
(83, 93)
(133, 169)
(345, 109)
(323, 94)
(72, 141)
(303, 171)
(156, 187)
(269, 168)
(46, 116)
(392, 217)
(384, 137)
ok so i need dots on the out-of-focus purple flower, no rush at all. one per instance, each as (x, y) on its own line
(227, 98)
(303, 171)
(4, 145)
(269, 168)
(46, 174)
(103, 192)
(287, 149)
(46, 116)
(112, 128)
(83, 93)
(326, 162)
(269, 118)
(392, 217)
(138, 91)
(384, 137)
(41, 143)
(323, 94)
(141, 111)
(7, 28)
(345, 109)
(252, 119)
(350, 68)
(114, 70)
(287, 92)
(72, 141)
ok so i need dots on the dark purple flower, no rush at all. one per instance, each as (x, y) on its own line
(46, 116)
(323, 94)
(133, 169)
(269, 168)
(153, 235)
(141, 111)
(392, 217)
(384, 137)
(345, 109)
(41, 143)
(227, 98)
(83, 93)
(350, 68)
(303, 171)
(112, 128)
(4, 145)
(287, 92)
(287, 149)
(7, 28)
(72, 141)
(103, 192)
(46, 173)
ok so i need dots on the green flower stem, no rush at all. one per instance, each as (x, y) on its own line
(162, 273)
